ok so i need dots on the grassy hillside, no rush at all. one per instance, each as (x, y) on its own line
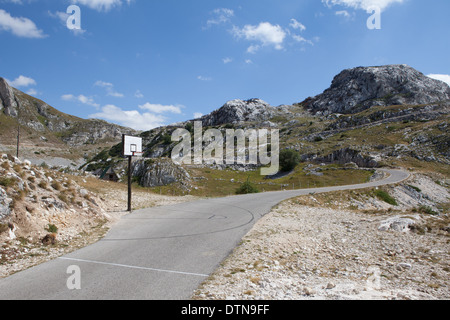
(46, 132)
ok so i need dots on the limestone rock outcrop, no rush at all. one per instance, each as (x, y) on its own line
(358, 89)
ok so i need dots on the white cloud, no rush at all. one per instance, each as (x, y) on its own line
(442, 77)
(104, 84)
(81, 98)
(22, 81)
(362, 4)
(198, 115)
(159, 108)
(109, 89)
(253, 48)
(101, 5)
(203, 78)
(220, 16)
(32, 92)
(300, 27)
(343, 13)
(87, 100)
(132, 119)
(138, 94)
(299, 38)
(67, 97)
(297, 25)
(21, 27)
(227, 60)
(265, 34)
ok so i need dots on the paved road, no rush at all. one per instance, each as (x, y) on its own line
(159, 253)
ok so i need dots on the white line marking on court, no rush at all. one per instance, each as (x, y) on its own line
(135, 267)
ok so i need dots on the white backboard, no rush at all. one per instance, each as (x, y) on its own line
(132, 146)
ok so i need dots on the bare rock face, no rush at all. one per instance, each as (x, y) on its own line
(8, 103)
(238, 111)
(159, 172)
(358, 89)
(346, 156)
(5, 203)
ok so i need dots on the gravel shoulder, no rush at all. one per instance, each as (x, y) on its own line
(337, 247)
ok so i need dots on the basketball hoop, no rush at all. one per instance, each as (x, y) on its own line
(132, 147)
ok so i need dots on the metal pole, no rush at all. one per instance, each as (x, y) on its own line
(18, 128)
(129, 183)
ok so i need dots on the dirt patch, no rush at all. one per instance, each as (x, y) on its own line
(305, 249)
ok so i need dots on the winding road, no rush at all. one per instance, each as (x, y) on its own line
(161, 253)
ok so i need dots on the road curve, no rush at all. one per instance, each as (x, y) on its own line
(161, 253)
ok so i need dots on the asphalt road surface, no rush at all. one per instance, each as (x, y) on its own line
(159, 253)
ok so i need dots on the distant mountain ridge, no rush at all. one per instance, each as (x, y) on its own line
(368, 117)
(358, 98)
(43, 119)
(358, 89)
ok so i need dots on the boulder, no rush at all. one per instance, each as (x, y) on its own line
(159, 172)
(5, 203)
(398, 224)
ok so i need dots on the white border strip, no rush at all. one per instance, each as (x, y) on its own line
(134, 267)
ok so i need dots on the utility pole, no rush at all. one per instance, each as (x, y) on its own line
(18, 128)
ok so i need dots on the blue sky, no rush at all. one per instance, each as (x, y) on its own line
(146, 63)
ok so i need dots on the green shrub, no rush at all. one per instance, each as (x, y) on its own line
(246, 188)
(428, 210)
(189, 127)
(44, 165)
(383, 195)
(52, 228)
(6, 182)
(289, 159)
(167, 139)
(415, 188)
(318, 139)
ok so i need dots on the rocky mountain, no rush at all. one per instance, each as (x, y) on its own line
(43, 119)
(370, 116)
(239, 111)
(358, 89)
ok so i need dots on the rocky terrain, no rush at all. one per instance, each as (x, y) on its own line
(358, 89)
(390, 243)
(344, 245)
(371, 116)
(239, 111)
(45, 213)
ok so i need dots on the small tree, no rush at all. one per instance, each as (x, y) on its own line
(247, 187)
(289, 159)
